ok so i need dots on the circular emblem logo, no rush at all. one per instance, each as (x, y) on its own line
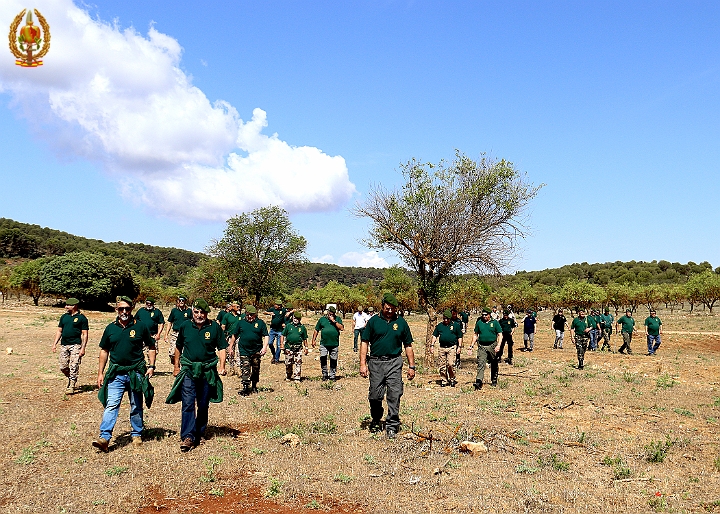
(132, 333)
(395, 326)
(207, 335)
(75, 320)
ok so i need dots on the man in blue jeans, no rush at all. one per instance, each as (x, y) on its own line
(122, 344)
(197, 374)
(277, 323)
(653, 329)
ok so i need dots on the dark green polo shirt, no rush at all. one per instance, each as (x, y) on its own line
(199, 343)
(278, 318)
(653, 325)
(458, 326)
(329, 333)
(465, 317)
(591, 321)
(220, 316)
(627, 323)
(72, 327)
(177, 317)
(229, 320)
(447, 335)
(250, 336)
(126, 344)
(608, 319)
(580, 324)
(294, 336)
(487, 332)
(387, 338)
(507, 325)
(151, 318)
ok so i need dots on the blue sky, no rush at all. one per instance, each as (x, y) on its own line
(613, 105)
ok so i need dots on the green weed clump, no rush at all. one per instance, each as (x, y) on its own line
(325, 425)
(656, 451)
(665, 381)
(274, 489)
(211, 465)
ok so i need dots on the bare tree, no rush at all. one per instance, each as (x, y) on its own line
(463, 216)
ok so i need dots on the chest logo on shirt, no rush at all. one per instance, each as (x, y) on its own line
(75, 320)
(256, 325)
(185, 315)
(451, 328)
(207, 335)
(152, 314)
(132, 333)
(395, 326)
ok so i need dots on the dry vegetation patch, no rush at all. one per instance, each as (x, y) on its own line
(627, 434)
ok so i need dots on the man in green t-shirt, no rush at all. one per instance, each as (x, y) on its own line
(627, 323)
(230, 319)
(508, 326)
(606, 322)
(381, 347)
(251, 340)
(293, 341)
(653, 329)
(278, 315)
(178, 316)
(487, 338)
(200, 353)
(448, 334)
(122, 344)
(153, 319)
(330, 327)
(72, 333)
(460, 327)
(581, 327)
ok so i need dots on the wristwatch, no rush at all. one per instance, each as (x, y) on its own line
(412, 367)
(151, 367)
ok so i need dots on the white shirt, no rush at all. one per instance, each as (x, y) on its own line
(360, 319)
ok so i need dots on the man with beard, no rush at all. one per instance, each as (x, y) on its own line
(72, 333)
(487, 332)
(448, 335)
(293, 341)
(152, 318)
(251, 337)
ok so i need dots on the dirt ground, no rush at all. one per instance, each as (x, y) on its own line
(558, 439)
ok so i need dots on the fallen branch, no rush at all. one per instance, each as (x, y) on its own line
(641, 479)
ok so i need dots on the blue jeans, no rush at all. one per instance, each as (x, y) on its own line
(358, 333)
(593, 339)
(652, 348)
(275, 350)
(193, 425)
(116, 390)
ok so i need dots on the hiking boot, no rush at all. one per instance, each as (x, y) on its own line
(273, 361)
(581, 364)
(70, 389)
(391, 433)
(478, 385)
(375, 427)
(187, 445)
(254, 389)
(493, 383)
(245, 391)
(508, 361)
(101, 444)
(137, 441)
(453, 382)
(324, 377)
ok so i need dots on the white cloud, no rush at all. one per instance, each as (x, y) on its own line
(363, 260)
(120, 98)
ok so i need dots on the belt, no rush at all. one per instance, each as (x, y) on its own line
(383, 357)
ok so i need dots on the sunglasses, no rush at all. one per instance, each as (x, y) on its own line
(124, 309)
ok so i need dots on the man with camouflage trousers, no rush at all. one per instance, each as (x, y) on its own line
(251, 336)
(293, 340)
(73, 331)
(582, 327)
(606, 321)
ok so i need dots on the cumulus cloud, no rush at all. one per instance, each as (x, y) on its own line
(120, 98)
(363, 260)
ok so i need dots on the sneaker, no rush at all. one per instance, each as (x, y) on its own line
(245, 391)
(137, 440)
(453, 383)
(324, 377)
(101, 444)
(391, 433)
(375, 427)
(187, 445)
(493, 383)
(70, 389)
(254, 390)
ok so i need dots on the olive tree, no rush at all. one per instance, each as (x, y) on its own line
(461, 216)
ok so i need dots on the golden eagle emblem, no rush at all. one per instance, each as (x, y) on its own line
(27, 43)
(207, 335)
(132, 333)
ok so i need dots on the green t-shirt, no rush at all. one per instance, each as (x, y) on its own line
(278, 318)
(72, 327)
(220, 316)
(507, 325)
(250, 336)
(447, 334)
(653, 325)
(126, 344)
(608, 319)
(580, 324)
(458, 326)
(294, 336)
(177, 317)
(465, 317)
(487, 332)
(329, 333)
(151, 318)
(591, 321)
(199, 343)
(387, 337)
(229, 320)
(627, 323)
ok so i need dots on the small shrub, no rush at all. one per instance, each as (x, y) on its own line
(369, 459)
(684, 412)
(716, 464)
(274, 489)
(611, 461)
(257, 451)
(116, 471)
(211, 465)
(341, 477)
(620, 472)
(525, 468)
(27, 456)
(313, 504)
(630, 378)
(325, 425)
(554, 462)
(665, 381)
(656, 451)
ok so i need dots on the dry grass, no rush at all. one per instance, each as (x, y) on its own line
(559, 439)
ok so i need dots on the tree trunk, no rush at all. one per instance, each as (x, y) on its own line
(432, 322)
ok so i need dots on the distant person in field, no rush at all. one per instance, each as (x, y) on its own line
(383, 340)
(593, 323)
(72, 334)
(508, 325)
(487, 337)
(626, 326)
(559, 322)
(606, 323)
(495, 314)
(178, 316)
(293, 341)
(465, 318)
(153, 319)
(360, 319)
(329, 326)
(448, 337)
(459, 324)
(277, 315)
(653, 330)
(200, 353)
(122, 344)
(230, 319)
(582, 327)
(251, 343)
(529, 322)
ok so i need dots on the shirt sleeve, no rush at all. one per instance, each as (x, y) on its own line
(161, 318)
(220, 342)
(407, 335)
(264, 330)
(60, 321)
(84, 324)
(304, 334)
(436, 332)
(148, 339)
(180, 341)
(105, 340)
(318, 325)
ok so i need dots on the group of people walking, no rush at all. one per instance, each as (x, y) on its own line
(202, 350)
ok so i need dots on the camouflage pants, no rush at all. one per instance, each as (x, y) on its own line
(69, 360)
(447, 359)
(605, 338)
(293, 363)
(627, 339)
(249, 368)
(172, 338)
(581, 344)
